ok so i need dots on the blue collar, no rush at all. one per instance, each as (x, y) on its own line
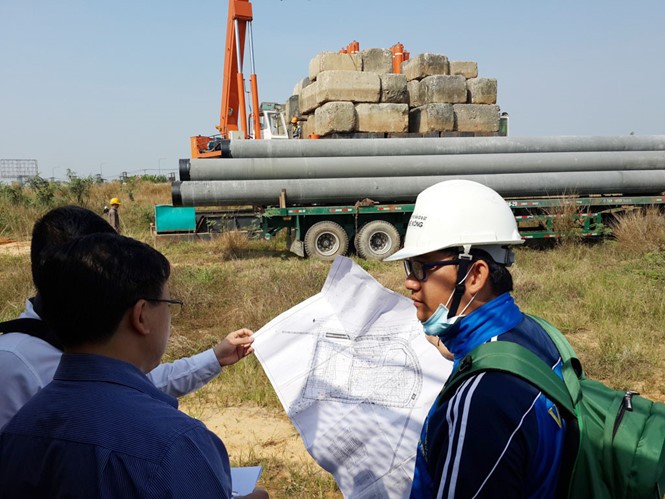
(99, 368)
(492, 319)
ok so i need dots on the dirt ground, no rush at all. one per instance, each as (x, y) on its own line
(257, 432)
(254, 435)
(11, 247)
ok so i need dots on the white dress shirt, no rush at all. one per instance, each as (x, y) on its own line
(27, 364)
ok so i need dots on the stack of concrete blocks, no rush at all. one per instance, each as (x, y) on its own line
(347, 94)
(447, 96)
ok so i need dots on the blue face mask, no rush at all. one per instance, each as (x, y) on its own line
(439, 323)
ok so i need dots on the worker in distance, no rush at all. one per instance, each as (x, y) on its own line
(497, 435)
(114, 215)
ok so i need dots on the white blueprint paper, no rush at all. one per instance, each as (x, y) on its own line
(357, 377)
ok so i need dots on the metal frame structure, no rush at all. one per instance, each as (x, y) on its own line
(18, 168)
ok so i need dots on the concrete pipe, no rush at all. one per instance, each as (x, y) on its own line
(436, 145)
(405, 166)
(405, 189)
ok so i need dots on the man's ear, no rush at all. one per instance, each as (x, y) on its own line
(478, 277)
(138, 317)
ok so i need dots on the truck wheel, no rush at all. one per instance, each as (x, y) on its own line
(377, 240)
(326, 240)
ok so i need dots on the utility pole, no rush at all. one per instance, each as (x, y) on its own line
(159, 166)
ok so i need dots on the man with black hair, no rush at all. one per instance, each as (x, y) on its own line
(496, 435)
(101, 428)
(30, 355)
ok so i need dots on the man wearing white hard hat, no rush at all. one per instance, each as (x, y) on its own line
(497, 435)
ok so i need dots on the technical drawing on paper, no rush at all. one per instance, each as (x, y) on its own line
(375, 368)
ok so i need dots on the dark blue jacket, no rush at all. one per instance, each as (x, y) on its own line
(497, 436)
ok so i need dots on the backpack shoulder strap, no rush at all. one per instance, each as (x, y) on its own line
(572, 367)
(33, 327)
(511, 358)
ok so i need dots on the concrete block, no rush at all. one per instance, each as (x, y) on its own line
(443, 89)
(432, 118)
(476, 117)
(382, 117)
(393, 88)
(309, 99)
(426, 64)
(292, 108)
(335, 117)
(352, 86)
(377, 60)
(413, 89)
(468, 69)
(334, 61)
(300, 85)
(481, 90)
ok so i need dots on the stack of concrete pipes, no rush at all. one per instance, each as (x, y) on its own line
(343, 171)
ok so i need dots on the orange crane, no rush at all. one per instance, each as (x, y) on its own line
(233, 114)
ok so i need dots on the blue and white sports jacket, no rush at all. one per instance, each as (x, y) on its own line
(497, 436)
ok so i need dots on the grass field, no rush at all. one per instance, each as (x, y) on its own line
(605, 296)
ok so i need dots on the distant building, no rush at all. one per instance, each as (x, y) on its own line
(17, 169)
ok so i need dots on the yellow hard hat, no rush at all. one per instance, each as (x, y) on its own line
(294, 120)
(114, 201)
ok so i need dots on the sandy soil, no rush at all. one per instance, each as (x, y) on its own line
(252, 431)
(11, 247)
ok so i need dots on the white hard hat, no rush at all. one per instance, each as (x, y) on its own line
(462, 213)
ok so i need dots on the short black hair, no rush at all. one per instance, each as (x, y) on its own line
(61, 225)
(88, 284)
(500, 278)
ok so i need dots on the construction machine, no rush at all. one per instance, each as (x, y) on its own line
(265, 121)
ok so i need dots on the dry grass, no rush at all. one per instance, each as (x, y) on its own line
(15, 285)
(565, 224)
(640, 231)
(231, 245)
(610, 306)
(20, 207)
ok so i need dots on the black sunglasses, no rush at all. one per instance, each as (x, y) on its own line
(419, 269)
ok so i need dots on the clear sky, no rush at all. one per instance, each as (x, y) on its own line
(120, 85)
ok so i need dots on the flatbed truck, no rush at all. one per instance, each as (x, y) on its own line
(375, 231)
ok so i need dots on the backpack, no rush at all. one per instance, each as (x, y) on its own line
(615, 440)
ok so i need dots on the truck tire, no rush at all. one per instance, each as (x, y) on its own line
(377, 240)
(326, 240)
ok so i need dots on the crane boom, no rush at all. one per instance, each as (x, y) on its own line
(233, 112)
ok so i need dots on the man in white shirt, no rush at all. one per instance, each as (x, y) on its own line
(28, 361)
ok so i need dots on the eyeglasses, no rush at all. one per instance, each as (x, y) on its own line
(175, 306)
(419, 269)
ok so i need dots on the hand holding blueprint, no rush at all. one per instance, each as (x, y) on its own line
(357, 377)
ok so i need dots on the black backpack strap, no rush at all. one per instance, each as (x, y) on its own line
(508, 357)
(33, 327)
